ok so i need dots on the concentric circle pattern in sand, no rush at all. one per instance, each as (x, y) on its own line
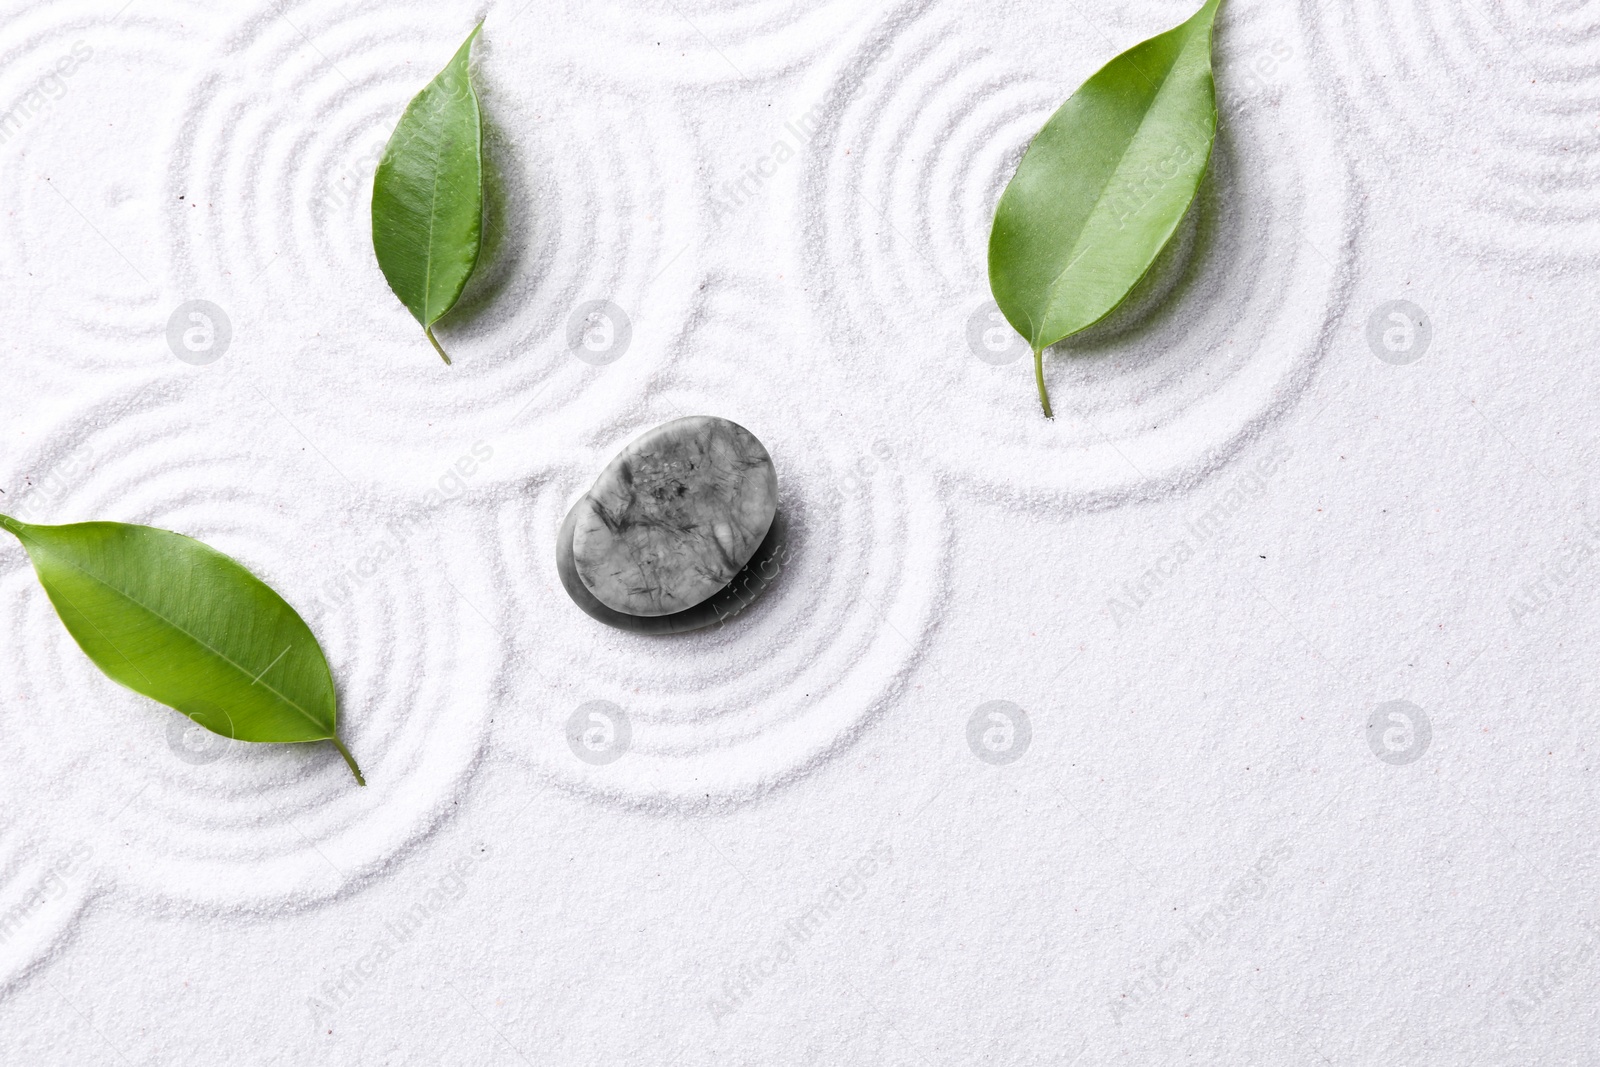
(831, 635)
(270, 216)
(235, 825)
(703, 42)
(1484, 113)
(44, 883)
(80, 244)
(918, 128)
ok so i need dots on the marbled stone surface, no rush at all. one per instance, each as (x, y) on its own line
(672, 520)
(747, 586)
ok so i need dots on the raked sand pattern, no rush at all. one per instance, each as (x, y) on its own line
(831, 633)
(414, 525)
(841, 619)
(777, 212)
(917, 130)
(698, 44)
(81, 243)
(269, 217)
(44, 883)
(1488, 108)
(197, 821)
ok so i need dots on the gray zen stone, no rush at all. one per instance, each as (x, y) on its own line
(670, 522)
(749, 584)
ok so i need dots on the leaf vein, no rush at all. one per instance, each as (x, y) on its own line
(202, 644)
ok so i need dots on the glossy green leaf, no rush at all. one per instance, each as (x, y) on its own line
(182, 623)
(427, 195)
(1104, 186)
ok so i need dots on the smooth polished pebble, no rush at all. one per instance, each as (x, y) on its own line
(764, 570)
(673, 518)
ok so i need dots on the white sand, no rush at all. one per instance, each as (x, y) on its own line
(1243, 535)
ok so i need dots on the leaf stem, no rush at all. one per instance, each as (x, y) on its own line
(1038, 376)
(351, 760)
(8, 523)
(429, 331)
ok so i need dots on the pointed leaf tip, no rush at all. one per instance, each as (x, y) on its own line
(185, 625)
(427, 194)
(1105, 184)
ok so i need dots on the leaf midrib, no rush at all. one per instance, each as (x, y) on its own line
(428, 317)
(204, 646)
(440, 159)
(1100, 198)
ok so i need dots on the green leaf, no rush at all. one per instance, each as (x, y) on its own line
(427, 196)
(182, 623)
(1104, 186)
